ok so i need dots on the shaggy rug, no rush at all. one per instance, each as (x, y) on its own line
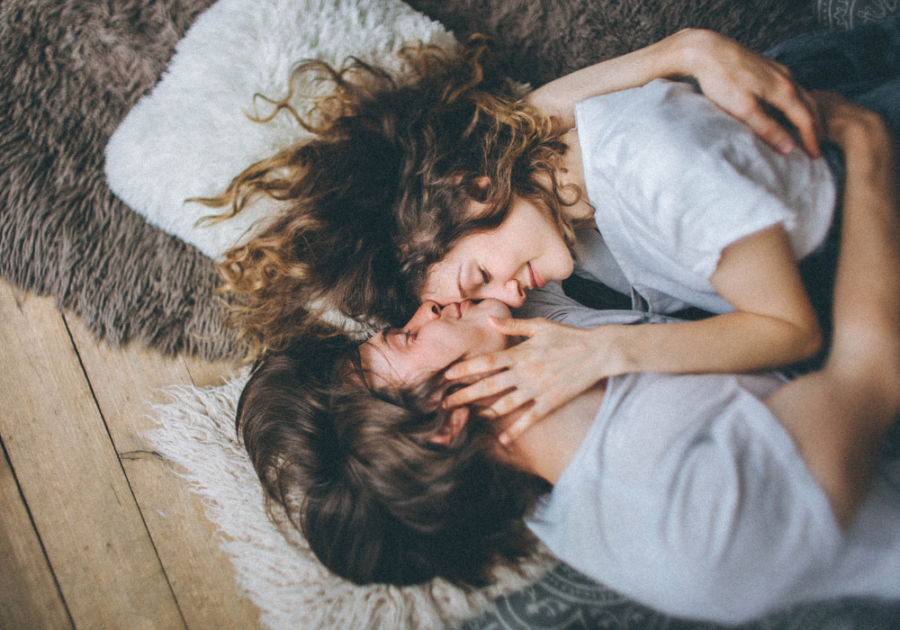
(273, 564)
(194, 132)
(70, 71)
(277, 571)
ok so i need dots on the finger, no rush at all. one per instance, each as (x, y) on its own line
(516, 327)
(803, 112)
(769, 129)
(516, 429)
(479, 366)
(511, 401)
(489, 386)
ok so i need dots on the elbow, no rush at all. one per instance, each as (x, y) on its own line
(807, 340)
(813, 342)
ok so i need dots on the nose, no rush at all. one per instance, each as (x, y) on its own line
(427, 311)
(510, 293)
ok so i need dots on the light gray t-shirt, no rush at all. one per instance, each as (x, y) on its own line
(673, 181)
(689, 496)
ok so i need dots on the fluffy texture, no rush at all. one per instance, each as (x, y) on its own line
(276, 569)
(192, 134)
(69, 72)
(544, 40)
(273, 564)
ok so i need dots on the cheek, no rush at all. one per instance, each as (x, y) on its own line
(490, 340)
(439, 285)
(502, 257)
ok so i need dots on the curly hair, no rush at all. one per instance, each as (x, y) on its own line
(359, 477)
(381, 191)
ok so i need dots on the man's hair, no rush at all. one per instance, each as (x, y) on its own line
(359, 477)
(382, 190)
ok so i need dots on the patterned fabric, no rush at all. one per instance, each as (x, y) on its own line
(566, 600)
(850, 13)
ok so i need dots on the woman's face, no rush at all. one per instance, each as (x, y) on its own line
(525, 252)
(434, 338)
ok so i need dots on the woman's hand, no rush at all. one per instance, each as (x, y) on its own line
(747, 85)
(552, 366)
(743, 83)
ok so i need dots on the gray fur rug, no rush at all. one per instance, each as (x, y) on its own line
(71, 69)
(69, 72)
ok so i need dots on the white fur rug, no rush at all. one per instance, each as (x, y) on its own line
(191, 135)
(284, 578)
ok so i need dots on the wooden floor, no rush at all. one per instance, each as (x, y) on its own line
(96, 531)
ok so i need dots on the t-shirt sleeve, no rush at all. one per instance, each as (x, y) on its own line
(552, 303)
(675, 180)
(700, 478)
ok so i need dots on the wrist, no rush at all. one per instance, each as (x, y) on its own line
(687, 52)
(614, 346)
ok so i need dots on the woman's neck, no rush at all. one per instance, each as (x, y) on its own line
(571, 174)
(547, 447)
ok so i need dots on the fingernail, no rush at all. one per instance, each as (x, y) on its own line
(504, 439)
(785, 146)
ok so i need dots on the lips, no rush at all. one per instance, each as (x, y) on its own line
(452, 310)
(536, 280)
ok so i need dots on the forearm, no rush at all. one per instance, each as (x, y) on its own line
(838, 416)
(867, 287)
(733, 342)
(665, 58)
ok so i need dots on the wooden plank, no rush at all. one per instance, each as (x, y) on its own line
(29, 597)
(71, 479)
(126, 382)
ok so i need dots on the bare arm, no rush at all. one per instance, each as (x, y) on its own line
(839, 415)
(774, 325)
(737, 79)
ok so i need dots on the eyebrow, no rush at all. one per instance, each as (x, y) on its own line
(382, 335)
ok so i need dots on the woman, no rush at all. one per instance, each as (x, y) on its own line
(716, 497)
(364, 223)
(690, 214)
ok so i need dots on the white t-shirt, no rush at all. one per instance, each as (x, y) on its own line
(674, 180)
(689, 496)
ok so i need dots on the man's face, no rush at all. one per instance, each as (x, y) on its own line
(434, 338)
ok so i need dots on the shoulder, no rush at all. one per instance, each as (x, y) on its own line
(697, 482)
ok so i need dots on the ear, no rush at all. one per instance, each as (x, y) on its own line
(455, 423)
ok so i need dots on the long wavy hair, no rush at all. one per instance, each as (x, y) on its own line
(382, 190)
(359, 477)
